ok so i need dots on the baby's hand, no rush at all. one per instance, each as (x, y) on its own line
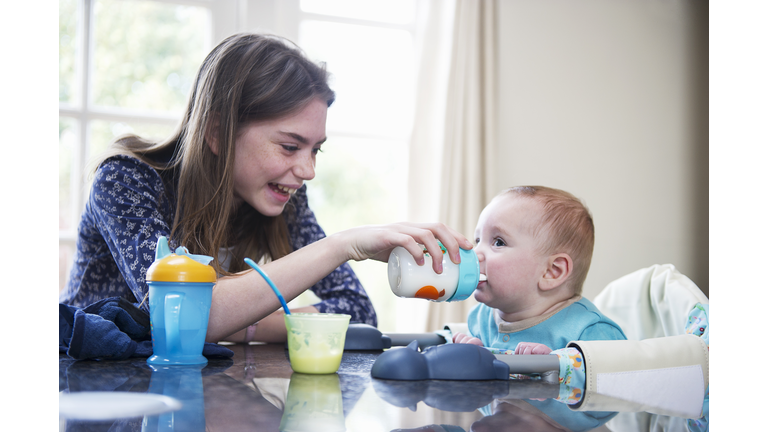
(532, 348)
(466, 339)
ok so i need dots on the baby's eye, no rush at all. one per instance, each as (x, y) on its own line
(477, 241)
(498, 242)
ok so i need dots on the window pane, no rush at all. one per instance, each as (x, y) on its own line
(365, 177)
(67, 145)
(68, 17)
(373, 76)
(147, 53)
(359, 182)
(103, 132)
(390, 11)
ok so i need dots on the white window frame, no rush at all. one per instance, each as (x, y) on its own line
(223, 22)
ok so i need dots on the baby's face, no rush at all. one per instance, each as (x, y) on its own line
(507, 253)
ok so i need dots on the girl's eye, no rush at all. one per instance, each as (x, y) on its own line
(289, 148)
(499, 242)
(317, 150)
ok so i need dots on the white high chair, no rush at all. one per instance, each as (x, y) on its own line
(659, 369)
(651, 302)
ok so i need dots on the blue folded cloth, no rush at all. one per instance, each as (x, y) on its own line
(113, 328)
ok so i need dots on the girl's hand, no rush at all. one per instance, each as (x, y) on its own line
(377, 241)
(532, 348)
(466, 339)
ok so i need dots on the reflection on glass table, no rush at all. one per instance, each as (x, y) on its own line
(258, 390)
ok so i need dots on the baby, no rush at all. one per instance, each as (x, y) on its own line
(535, 246)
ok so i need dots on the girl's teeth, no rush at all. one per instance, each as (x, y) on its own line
(286, 190)
(483, 278)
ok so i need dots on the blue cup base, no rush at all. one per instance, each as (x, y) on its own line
(177, 360)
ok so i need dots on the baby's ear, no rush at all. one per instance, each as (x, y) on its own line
(559, 267)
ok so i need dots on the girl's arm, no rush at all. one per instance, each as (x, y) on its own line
(243, 299)
(126, 212)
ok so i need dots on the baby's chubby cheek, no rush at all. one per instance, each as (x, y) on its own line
(477, 294)
(482, 294)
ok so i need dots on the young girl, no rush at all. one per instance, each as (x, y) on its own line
(229, 183)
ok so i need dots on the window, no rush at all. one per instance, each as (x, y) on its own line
(127, 66)
(124, 66)
(362, 172)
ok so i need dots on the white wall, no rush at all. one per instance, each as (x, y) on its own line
(608, 100)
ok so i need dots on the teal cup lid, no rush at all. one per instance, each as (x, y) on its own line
(469, 275)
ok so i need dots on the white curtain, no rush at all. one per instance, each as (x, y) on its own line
(468, 138)
(426, 146)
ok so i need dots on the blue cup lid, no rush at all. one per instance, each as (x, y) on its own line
(469, 275)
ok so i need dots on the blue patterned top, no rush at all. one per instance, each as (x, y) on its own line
(129, 208)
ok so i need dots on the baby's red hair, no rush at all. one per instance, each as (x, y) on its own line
(566, 226)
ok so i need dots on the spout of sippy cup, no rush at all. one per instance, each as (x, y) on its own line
(162, 250)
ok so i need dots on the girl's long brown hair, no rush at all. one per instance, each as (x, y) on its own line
(247, 77)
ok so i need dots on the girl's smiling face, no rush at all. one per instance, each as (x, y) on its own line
(508, 254)
(273, 158)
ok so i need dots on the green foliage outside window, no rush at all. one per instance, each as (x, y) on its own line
(147, 53)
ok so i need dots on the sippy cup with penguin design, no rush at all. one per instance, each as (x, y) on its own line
(456, 282)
